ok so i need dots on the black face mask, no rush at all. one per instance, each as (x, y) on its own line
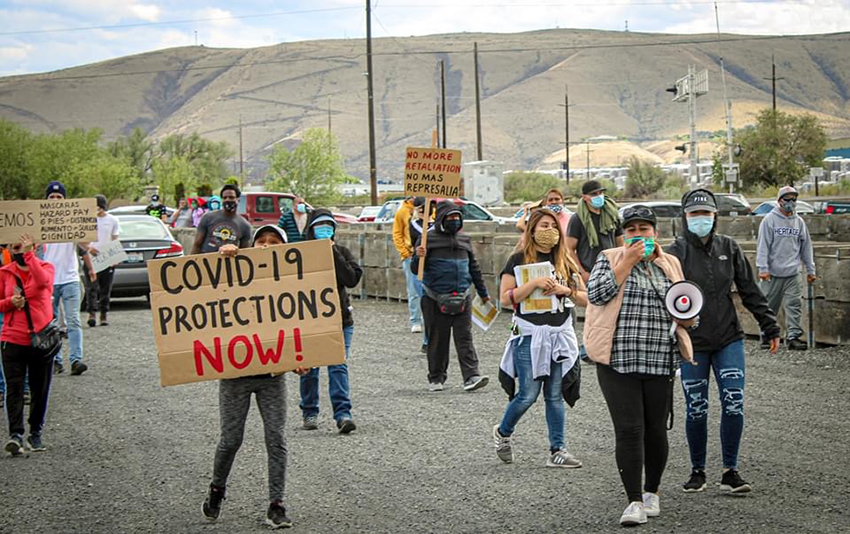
(19, 258)
(229, 205)
(452, 226)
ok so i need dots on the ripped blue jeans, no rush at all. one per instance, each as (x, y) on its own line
(728, 366)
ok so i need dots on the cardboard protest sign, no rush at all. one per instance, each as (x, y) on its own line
(432, 172)
(110, 254)
(266, 310)
(49, 221)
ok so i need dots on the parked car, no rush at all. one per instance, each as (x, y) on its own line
(368, 214)
(143, 238)
(834, 207)
(661, 208)
(137, 210)
(266, 208)
(472, 211)
(732, 204)
(803, 208)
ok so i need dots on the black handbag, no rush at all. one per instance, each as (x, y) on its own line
(450, 303)
(48, 340)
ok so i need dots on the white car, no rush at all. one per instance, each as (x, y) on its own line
(803, 208)
(472, 211)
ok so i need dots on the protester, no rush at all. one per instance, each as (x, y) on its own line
(321, 225)
(294, 220)
(222, 227)
(784, 244)
(554, 200)
(234, 400)
(542, 349)
(99, 291)
(214, 203)
(627, 332)
(65, 258)
(450, 271)
(198, 210)
(714, 262)
(182, 216)
(527, 209)
(26, 288)
(415, 229)
(594, 228)
(5, 259)
(404, 246)
(157, 209)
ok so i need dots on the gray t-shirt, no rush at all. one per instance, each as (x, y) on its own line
(587, 255)
(222, 229)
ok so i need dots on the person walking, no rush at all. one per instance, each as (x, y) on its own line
(182, 216)
(404, 246)
(450, 272)
(543, 350)
(65, 259)
(627, 332)
(784, 243)
(294, 220)
(715, 262)
(321, 225)
(594, 227)
(99, 289)
(222, 227)
(26, 288)
(234, 401)
(157, 209)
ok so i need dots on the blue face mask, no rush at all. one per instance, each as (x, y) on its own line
(700, 226)
(301, 208)
(452, 226)
(557, 208)
(597, 201)
(324, 231)
(648, 244)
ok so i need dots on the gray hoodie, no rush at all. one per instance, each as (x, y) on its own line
(784, 241)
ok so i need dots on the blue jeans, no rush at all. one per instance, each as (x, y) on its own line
(414, 292)
(529, 389)
(338, 386)
(69, 294)
(728, 365)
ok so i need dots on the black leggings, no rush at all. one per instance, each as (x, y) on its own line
(638, 404)
(21, 362)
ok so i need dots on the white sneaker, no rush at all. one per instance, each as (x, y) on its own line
(416, 329)
(651, 504)
(634, 514)
(435, 386)
(561, 458)
(503, 446)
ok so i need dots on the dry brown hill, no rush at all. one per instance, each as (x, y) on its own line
(616, 80)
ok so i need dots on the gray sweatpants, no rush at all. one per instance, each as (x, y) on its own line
(234, 400)
(785, 289)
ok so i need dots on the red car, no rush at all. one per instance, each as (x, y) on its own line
(266, 208)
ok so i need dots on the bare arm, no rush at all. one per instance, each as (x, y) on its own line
(521, 293)
(572, 247)
(200, 235)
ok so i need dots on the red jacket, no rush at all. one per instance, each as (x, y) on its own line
(38, 286)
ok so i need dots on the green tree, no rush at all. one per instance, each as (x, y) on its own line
(525, 186)
(170, 172)
(779, 148)
(15, 146)
(137, 150)
(313, 170)
(208, 158)
(644, 179)
(111, 177)
(205, 190)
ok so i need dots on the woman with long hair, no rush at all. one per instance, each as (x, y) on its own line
(542, 351)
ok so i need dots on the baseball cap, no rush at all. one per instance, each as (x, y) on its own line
(639, 212)
(270, 228)
(154, 197)
(591, 186)
(787, 190)
(699, 200)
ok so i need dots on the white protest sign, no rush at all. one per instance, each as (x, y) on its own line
(110, 254)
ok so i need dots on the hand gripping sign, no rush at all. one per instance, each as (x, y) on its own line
(266, 310)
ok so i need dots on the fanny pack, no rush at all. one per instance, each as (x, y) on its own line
(449, 303)
(48, 340)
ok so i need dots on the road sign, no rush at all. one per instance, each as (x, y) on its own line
(816, 172)
(683, 86)
(731, 172)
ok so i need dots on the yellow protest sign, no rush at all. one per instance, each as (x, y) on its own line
(49, 221)
(432, 172)
(266, 310)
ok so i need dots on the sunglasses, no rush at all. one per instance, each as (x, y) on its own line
(638, 212)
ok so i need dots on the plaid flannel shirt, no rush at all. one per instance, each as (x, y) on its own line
(642, 341)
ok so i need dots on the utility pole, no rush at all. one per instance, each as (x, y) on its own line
(329, 116)
(773, 79)
(692, 110)
(728, 107)
(373, 171)
(241, 154)
(479, 150)
(687, 89)
(443, 98)
(438, 124)
(566, 105)
(587, 151)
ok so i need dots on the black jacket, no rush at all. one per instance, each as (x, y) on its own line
(714, 266)
(450, 264)
(570, 384)
(348, 271)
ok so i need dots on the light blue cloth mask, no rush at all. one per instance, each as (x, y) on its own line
(323, 232)
(700, 226)
(597, 201)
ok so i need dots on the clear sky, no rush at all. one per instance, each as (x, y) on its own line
(45, 35)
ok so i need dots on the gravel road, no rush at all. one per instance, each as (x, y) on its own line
(125, 455)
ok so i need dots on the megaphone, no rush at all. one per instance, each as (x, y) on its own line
(684, 301)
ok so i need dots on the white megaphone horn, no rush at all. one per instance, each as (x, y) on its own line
(683, 301)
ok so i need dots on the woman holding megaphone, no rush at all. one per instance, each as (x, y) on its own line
(627, 332)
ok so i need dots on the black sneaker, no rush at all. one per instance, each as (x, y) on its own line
(58, 368)
(424, 349)
(92, 320)
(27, 397)
(2, 399)
(696, 482)
(15, 445)
(733, 483)
(212, 505)
(796, 344)
(276, 516)
(78, 368)
(35, 444)
(765, 343)
(346, 426)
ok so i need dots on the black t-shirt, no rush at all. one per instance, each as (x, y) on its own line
(586, 254)
(556, 318)
(222, 229)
